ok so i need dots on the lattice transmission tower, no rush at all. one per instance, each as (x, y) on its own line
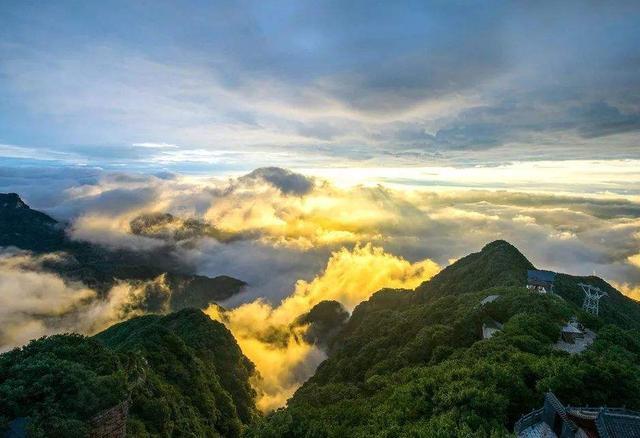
(592, 297)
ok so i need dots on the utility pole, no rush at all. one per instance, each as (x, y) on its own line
(592, 297)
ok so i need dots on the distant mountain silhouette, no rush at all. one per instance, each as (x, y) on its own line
(22, 227)
(99, 267)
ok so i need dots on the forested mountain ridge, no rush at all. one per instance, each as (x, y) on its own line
(414, 364)
(183, 373)
(100, 267)
(192, 360)
(405, 363)
(501, 264)
(22, 227)
(498, 264)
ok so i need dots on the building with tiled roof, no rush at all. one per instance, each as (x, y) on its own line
(554, 420)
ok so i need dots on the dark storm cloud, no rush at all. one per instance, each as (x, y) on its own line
(505, 122)
(588, 119)
(285, 180)
(601, 119)
(395, 78)
(117, 201)
(44, 187)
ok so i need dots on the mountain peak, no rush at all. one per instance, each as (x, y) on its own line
(12, 200)
(25, 228)
(499, 263)
(498, 244)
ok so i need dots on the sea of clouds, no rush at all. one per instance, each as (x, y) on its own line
(296, 240)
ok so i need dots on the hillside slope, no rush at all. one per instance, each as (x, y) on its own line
(501, 264)
(404, 364)
(192, 360)
(413, 363)
(184, 374)
(25, 228)
(498, 264)
(58, 383)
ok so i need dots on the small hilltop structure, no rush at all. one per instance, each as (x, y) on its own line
(554, 420)
(489, 299)
(574, 337)
(110, 423)
(490, 327)
(540, 281)
(572, 331)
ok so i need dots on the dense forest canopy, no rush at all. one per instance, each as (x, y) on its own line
(413, 363)
(183, 373)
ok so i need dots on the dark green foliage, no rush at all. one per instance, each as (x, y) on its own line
(413, 364)
(59, 383)
(324, 321)
(405, 364)
(498, 264)
(615, 308)
(185, 374)
(197, 380)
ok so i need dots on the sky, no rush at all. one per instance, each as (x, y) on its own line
(342, 147)
(200, 86)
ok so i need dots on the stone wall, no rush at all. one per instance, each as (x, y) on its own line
(111, 423)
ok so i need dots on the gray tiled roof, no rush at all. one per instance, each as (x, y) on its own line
(541, 276)
(618, 423)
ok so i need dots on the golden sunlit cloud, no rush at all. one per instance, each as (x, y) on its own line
(632, 291)
(283, 359)
(329, 216)
(524, 175)
(35, 303)
(634, 260)
(325, 216)
(268, 227)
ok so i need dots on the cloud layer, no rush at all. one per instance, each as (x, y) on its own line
(259, 230)
(297, 240)
(241, 86)
(431, 128)
(36, 303)
(265, 332)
